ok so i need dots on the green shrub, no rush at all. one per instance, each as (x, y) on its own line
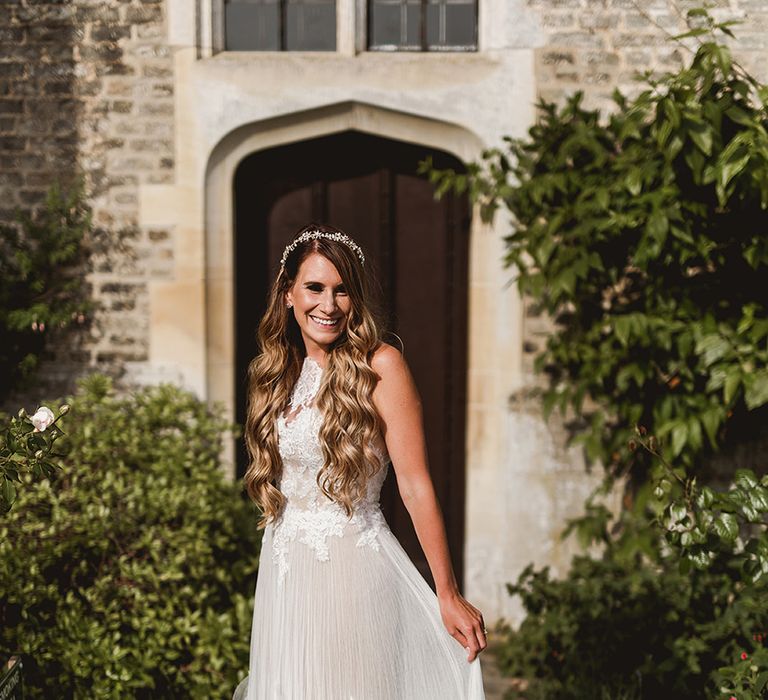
(132, 575)
(618, 628)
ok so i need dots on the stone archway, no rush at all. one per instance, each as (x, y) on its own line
(220, 286)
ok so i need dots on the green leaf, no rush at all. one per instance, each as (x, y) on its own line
(745, 479)
(723, 59)
(657, 226)
(679, 438)
(739, 115)
(711, 419)
(8, 491)
(633, 181)
(622, 326)
(712, 348)
(701, 135)
(677, 512)
(726, 526)
(732, 382)
(756, 390)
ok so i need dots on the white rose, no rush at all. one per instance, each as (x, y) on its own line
(43, 418)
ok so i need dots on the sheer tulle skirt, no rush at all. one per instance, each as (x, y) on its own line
(362, 625)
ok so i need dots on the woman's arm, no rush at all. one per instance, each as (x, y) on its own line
(399, 405)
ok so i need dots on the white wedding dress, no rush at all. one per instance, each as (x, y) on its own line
(340, 610)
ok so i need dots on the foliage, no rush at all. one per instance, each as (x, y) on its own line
(644, 239)
(702, 522)
(25, 449)
(41, 281)
(746, 678)
(130, 573)
(624, 627)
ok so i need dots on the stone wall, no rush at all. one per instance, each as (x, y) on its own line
(598, 45)
(86, 86)
(89, 85)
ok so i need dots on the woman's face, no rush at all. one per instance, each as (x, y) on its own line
(318, 296)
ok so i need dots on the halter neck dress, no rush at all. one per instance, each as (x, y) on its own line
(340, 610)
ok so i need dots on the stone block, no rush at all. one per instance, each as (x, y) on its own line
(12, 143)
(110, 32)
(29, 197)
(157, 71)
(150, 31)
(12, 70)
(11, 106)
(156, 108)
(599, 58)
(102, 52)
(558, 20)
(142, 14)
(59, 34)
(598, 20)
(588, 40)
(11, 35)
(558, 58)
(114, 68)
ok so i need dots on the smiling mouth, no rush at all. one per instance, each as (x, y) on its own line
(325, 323)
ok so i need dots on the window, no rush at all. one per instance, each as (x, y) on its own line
(422, 25)
(280, 25)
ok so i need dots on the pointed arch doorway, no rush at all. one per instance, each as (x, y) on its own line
(367, 186)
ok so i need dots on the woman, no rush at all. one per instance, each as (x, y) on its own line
(341, 612)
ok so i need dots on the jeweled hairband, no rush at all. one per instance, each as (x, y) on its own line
(314, 233)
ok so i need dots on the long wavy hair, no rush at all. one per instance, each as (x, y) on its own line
(350, 421)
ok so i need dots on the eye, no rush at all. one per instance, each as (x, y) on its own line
(342, 291)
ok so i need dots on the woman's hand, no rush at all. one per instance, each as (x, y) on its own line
(464, 622)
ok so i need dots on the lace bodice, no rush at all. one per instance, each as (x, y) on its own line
(308, 514)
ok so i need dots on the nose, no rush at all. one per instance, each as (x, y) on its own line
(328, 302)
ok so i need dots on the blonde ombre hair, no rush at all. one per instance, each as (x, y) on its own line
(350, 421)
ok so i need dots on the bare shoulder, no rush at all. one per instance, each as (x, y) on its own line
(387, 361)
(396, 390)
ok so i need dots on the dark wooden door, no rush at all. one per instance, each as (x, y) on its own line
(368, 187)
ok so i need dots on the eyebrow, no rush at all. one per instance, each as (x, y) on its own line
(306, 284)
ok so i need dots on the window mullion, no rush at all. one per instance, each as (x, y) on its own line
(423, 27)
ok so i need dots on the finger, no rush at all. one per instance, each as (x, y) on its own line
(482, 631)
(466, 640)
(459, 637)
(473, 644)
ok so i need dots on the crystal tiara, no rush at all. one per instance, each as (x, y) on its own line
(315, 233)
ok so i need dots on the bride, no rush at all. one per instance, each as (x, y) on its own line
(340, 611)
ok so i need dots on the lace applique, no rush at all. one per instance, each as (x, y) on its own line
(305, 389)
(309, 515)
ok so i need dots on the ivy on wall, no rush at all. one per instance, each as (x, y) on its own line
(643, 237)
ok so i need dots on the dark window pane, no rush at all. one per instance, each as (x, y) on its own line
(435, 16)
(311, 25)
(251, 26)
(460, 25)
(413, 25)
(385, 23)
